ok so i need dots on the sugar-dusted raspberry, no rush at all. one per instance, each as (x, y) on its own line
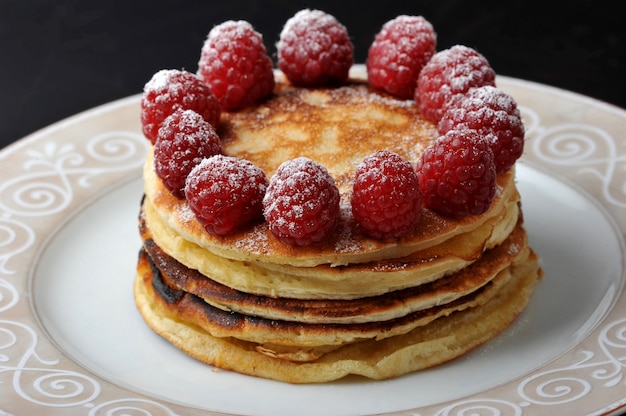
(184, 139)
(457, 174)
(301, 205)
(235, 64)
(494, 114)
(386, 198)
(171, 89)
(314, 49)
(449, 73)
(225, 192)
(399, 52)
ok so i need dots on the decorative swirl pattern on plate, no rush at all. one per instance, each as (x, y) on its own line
(9, 295)
(52, 174)
(588, 149)
(568, 384)
(55, 169)
(15, 238)
(130, 407)
(478, 407)
(36, 379)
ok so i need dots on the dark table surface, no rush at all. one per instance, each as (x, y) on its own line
(58, 58)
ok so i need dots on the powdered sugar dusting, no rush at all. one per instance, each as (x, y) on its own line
(495, 97)
(292, 167)
(160, 80)
(303, 19)
(184, 213)
(232, 30)
(256, 240)
(347, 241)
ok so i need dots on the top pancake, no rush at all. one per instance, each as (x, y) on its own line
(337, 127)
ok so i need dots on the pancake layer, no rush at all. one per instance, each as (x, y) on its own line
(385, 123)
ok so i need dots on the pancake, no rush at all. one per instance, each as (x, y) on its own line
(425, 346)
(350, 304)
(360, 121)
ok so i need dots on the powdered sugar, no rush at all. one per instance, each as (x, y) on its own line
(301, 205)
(232, 30)
(256, 240)
(160, 80)
(184, 213)
(492, 97)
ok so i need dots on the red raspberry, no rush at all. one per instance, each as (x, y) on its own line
(314, 49)
(235, 65)
(171, 89)
(301, 205)
(386, 199)
(225, 193)
(457, 174)
(494, 114)
(184, 139)
(399, 52)
(449, 73)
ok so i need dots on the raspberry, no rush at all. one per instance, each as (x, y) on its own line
(225, 193)
(171, 89)
(184, 139)
(449, 73)
(301, 205)
(314, 49)
(235, 65)
(399, 52)
(494, 114)
(457, 174)
(386, 199)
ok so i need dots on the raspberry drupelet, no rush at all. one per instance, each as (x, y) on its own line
(225, 193)
(301, 205)
(448, 74)
(314, 49)
(398, 53)
(235, 64)
(457, 174)
(184, 139)
(493, 114)
(386, 199)
(171, 89)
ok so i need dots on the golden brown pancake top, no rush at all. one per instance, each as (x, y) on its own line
(336, 127)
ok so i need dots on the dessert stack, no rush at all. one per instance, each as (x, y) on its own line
(318, 219)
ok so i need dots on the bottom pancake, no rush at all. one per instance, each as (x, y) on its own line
(437, 342)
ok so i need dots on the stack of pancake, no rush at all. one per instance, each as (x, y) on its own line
(351, 304)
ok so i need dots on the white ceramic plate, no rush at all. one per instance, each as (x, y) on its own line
(71, 341)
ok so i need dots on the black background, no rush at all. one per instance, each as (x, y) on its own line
(58, 58)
